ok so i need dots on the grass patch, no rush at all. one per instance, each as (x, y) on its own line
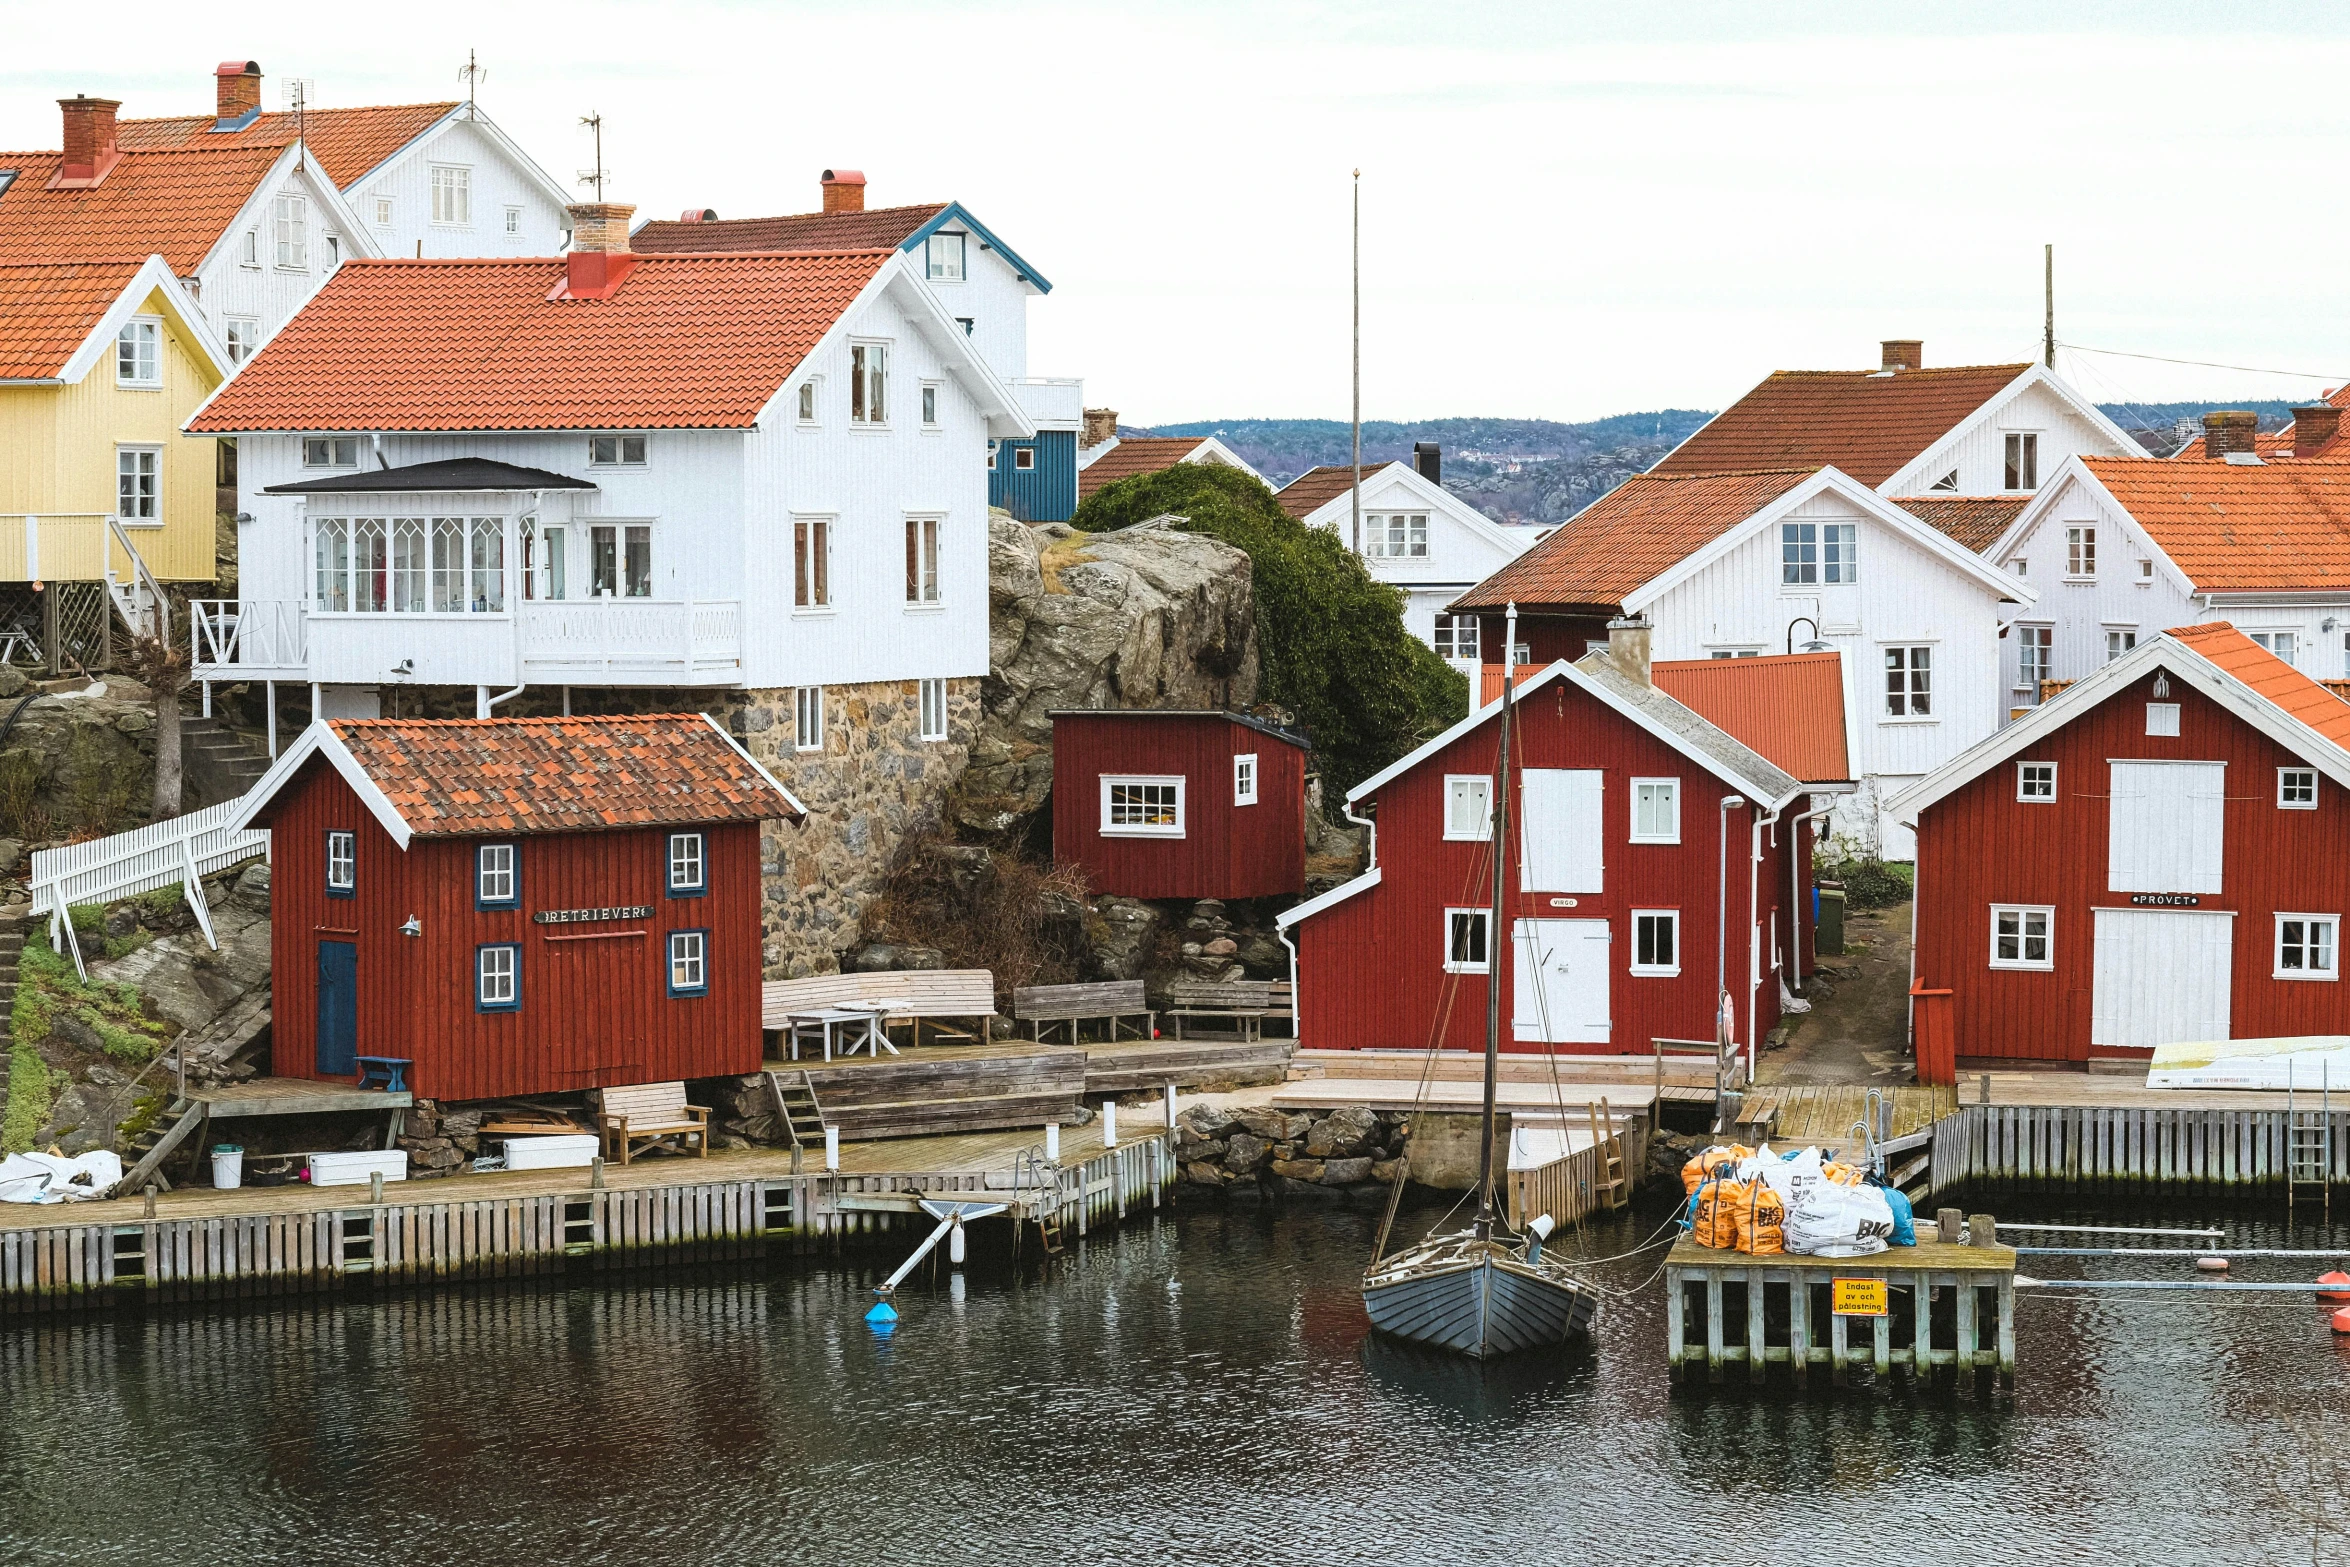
(47, 989)
(30, 1094)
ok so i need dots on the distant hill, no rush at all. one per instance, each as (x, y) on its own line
(2158, 426)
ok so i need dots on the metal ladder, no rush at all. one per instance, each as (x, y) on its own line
(2309, 1141)
(1037, 1180)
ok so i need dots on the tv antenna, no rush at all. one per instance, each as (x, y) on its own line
(472, 73)
(595, 177)
(299, 90)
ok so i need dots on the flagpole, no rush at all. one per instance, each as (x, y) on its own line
(1355, 468)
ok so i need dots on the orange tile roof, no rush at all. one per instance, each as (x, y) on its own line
(1975, 521)
(1637, 531)
(1790, 709)
(347, 143)
(170, 204)
(1135, 454)
(2238, 528)
(522, 775)
(47, 312)
(881, 228)
(1316, 488)
(2265, 443)
(1866, 423)
(688, 342)
(2269, 675)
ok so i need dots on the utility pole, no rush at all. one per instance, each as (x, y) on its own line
(2048, 293)
(1355, 471)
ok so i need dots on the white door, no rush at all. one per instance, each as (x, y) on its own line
(1561, 981)
(2162, 977)
(2166, 826)
(1561, 813)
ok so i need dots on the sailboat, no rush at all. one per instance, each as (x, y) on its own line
(1483, 1291)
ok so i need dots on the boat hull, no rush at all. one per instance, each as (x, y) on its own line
(1480, 1306)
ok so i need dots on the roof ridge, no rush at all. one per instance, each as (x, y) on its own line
(1727, 473)
(1904, 375)
(279, 114)
(792, 217)
(551, 718)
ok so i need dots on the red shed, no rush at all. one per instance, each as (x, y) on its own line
(1625, 857)
(516, 906)
(1159, 804)
(2154, 856)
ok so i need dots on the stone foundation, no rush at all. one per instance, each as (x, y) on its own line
(1260, 1151)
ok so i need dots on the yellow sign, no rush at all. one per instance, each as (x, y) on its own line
(1859, 1297)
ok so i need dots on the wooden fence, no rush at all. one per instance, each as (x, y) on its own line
(1567, 1189)
(2020, 1147)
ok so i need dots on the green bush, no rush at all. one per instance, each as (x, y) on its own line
(47, 985)
(1871, 884)
(1332, 642)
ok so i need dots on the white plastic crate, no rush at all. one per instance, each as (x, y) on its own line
(353, 1169)
(564, 1151)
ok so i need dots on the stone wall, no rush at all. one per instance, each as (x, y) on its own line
(1258, 1151)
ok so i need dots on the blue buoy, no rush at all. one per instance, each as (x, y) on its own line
(882, 1311)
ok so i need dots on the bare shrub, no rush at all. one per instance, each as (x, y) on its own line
(1023, 922)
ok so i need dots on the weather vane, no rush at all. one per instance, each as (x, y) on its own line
(472, 73)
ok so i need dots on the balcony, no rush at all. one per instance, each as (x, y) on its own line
(632, 642)
(1051, 402)
(247, 639)
(586, 642)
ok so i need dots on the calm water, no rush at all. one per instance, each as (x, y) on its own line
(1193, 1391)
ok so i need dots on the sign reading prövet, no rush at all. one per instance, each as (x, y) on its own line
(2166, 900)
(636, 911)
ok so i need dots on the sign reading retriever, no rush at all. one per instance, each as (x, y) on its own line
(1858, 1297)
(639, 911)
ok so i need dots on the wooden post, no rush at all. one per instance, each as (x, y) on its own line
(1799, 1327)
(1713, 1325)
(1676, 1337)
(1757, 1363)
(1882, 1336)
(1921, 1345)
(1838, 1338)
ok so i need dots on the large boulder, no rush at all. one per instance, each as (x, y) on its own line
(1120, 937)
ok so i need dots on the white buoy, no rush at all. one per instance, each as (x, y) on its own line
(955, 1242)
(1052, 1141)
(832, 1149)
(1109, 1123)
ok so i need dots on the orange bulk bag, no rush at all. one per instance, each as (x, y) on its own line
(1715, 1221)
(1762, 1215)
(1708, 1160)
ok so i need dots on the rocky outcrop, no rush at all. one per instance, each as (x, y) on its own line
(1350, 1153)
(80, 758)
(1146, 617)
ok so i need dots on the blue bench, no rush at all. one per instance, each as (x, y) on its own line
(386, 1072)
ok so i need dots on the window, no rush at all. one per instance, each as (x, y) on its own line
(2020, 937)
(868, 383)
(1815, 552)
(330, 451)
(620, 560)
(930, 404)
(2023, 462)
(688, 865)
(1656, 941)
(991, 456)
(808, 718)
(616, 451)
(497, 978)
(2080, 551)
(1711, 652)
(1142, 807)
(944, 253)
(513, 222)
(138, 353)
(249, 249)
(2035, 782)
(331, 548)
(370, 565)
(1909, 682)
(1396, 536)
(689, 962)
(1023, 459)
(1244, 779)
(2023, 568)
(293, 233)
(138, 483)
(921, 560)
(495, 884)
(383, 212)
(342, 864)
(1456, 637)
(1468, 811)
(1468, 944)
(242, 335)
(411, 574)
(812, 563)
(2305, 946)
(2032, 645)
(1656, 810)
(452, 194)
(2162, 718)
(2119, 642)
(2280, 643)
(2146, 570)
(934, 709)
(334, 252)
(487, 538)
(2296, 788)
(807, 402)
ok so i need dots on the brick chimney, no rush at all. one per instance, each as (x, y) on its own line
(89, 142)
(236, 89)
(844, 190)
(2227, 431)
(1101, 424)
(1627, 646)
(600, 259)
(2315, 428)
(1904, 353)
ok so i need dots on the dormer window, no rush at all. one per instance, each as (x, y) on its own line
(944, 253)
(7, 178)
(2023, 461)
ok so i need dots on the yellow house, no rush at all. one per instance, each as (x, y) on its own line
(101, 362)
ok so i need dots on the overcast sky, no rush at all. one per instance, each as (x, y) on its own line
(1568, 210)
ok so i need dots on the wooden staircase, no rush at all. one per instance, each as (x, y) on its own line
(145, 1153)
(219, 762)
(797, 1107)
(1611, 1187)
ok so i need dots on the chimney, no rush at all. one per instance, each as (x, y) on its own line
(1627, 646)
(236, 87)
(698, 215)
(2228, 431)
(1428, 461)
(2315, 428)
(844, 190)
(89, 142)
(599, 260)
(1101, 424)
(1904, 353)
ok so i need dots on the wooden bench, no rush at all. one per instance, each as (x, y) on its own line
(653, 1115)
(1111, 1001)
(965, 995)
(1247, 1003)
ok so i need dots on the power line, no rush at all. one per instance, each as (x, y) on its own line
(2206, 364)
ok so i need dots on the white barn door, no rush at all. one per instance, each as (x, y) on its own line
(1561, 982)
(2166, 826)
(2162, 977)
(1560, 823)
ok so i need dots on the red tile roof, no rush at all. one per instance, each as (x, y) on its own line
(1975, 521)
(2237, 528)
(2269, 675)
(1866, 423)
(1316, 488)
(688, 342)
(170, 204)
(1135, 454)
(1788, 708)
(47, 312)
(2278, 443)
(1635, 532)
(347, 143)
(883, 228)
(523, 775)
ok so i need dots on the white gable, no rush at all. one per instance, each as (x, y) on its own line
(2061, 423)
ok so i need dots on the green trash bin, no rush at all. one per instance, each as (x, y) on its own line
(1828, 941)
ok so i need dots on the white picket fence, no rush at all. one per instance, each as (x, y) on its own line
(181, 852)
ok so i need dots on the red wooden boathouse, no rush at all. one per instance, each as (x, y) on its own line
(2153, 856)
(516, 906)
(1168, 804)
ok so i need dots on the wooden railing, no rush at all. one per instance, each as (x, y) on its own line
(685, 639)
(181, 851)
(235, 639)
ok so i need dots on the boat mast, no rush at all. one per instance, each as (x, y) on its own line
(1501, 838)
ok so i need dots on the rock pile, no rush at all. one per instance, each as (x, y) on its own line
(437, 1141)
(1258, 1150)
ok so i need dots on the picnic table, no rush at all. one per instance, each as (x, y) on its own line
(862, 1020)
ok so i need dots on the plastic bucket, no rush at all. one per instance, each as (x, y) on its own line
(228, 1166)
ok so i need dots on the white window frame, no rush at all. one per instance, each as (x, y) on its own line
(689, 956)
(2019, 462)
(1446, 637)
(1805, 547)
(2041, 640)
(1909, 698)
(1244, 778)
(2162, 720)
(1455, 786)
(2146, 571)
(2267, 642)
(812, 596)
(807, 719)
(505, 877)
(241, 335)
(514, 223)
(451, 187)
(129, 470)
(2023, 936)
(925, 543)
(2024, 792)
(2080, 551)
(497, 986)
(622, 443)
(869, 385)
(810, 412)
(1480, 919)
(929, 407)
(141, 338)
(1112, 782)
(384, 211)
(2332, 924)
(1672, 789)
(2287, 777)
(290, 233)
(1672, 919)
(1024, 459)
(2120, 641)
(333, 445)
(932, 693)
(944, 249)
(342, 855)
(688, 869)
(249, 250)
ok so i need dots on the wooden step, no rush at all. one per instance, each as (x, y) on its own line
(928, 1117)
(898, 1080)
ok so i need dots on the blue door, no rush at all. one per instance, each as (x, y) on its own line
(338, 1009)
